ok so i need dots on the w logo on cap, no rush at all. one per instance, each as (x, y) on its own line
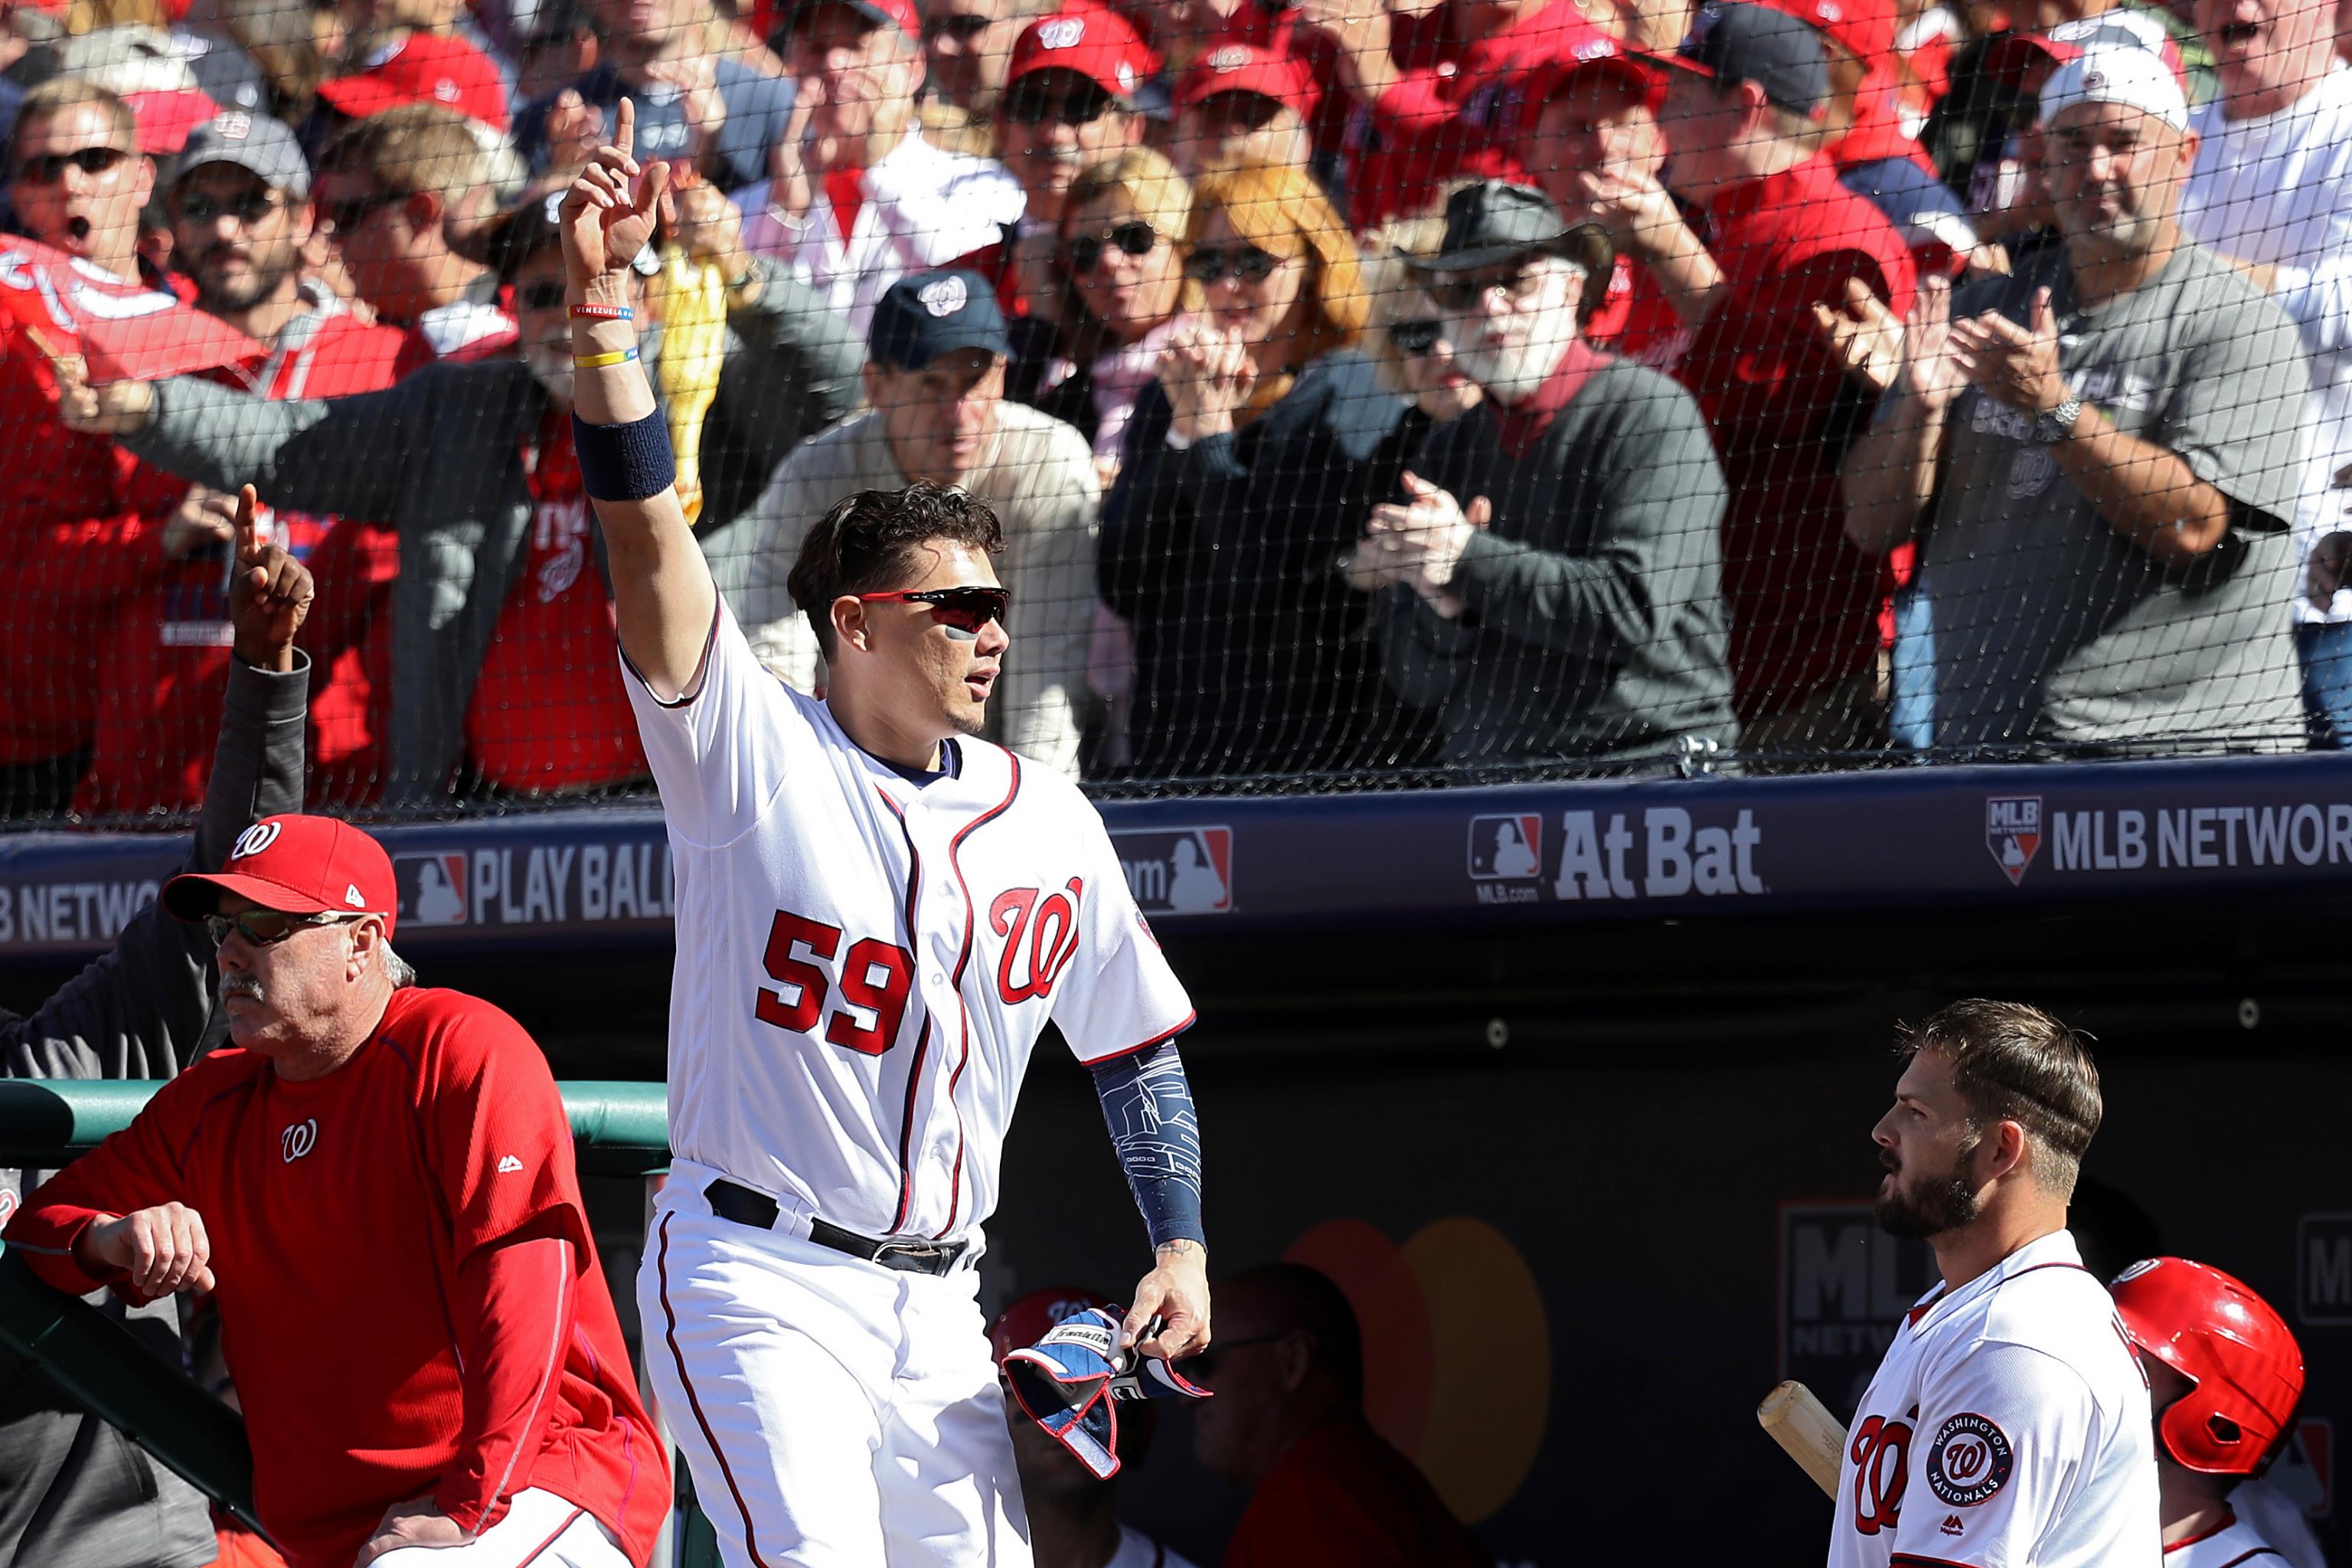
(255, 838)
(1062, 32)
(946, 297)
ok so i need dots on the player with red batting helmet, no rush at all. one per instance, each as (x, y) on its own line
(2224, 1376)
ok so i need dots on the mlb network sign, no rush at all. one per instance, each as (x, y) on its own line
(1659, 852)
(2187, 837)
(1178, 870)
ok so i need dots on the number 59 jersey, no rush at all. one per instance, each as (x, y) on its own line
(865, 963)
(2008, 1428)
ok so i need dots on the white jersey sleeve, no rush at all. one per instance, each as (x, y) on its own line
(2002, 1446)
(719, 753)
(1120, 996)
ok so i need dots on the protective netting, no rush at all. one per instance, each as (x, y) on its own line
(1371, 394)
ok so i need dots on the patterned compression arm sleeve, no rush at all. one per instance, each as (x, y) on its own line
(1148, 1106)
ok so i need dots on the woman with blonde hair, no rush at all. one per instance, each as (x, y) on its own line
(1118, 270)
(1249, 470)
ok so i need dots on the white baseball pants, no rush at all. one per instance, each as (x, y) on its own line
(539, 1530)
(835, 1413)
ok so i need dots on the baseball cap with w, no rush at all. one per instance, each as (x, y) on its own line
(298, 866)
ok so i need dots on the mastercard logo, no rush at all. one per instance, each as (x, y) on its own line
(1457, 1350)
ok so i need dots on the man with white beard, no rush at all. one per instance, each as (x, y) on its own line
(1554, 572)
(2108, 442)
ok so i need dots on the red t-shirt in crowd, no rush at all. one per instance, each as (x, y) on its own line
(78, 521)
(549, 712)
(353, 1218)
(1804, 603)
(167, 659)
(1454, 120)
(1636, 320)
(1342, 1498)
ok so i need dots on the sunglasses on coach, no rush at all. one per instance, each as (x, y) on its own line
(961, 609)
(1247, 262)
(50, 167)
(265, 928)
(1134, 237)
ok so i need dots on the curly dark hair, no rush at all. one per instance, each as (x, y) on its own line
(866, 545)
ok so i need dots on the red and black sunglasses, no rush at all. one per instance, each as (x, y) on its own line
(965, 609)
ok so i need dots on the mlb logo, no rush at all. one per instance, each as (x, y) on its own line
(432, 889)
(2305, 1470)
(1507, 848)
(1178, 870)
(2014, 832)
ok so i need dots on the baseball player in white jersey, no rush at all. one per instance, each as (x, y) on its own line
(876, 914)
(2008, 1427)
(2225, 1376)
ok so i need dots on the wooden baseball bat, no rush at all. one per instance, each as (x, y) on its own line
(1803, 1425)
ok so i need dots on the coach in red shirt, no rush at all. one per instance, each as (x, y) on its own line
(377, 1184)
(1743, 107)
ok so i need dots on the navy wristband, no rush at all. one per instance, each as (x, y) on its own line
(624, 462)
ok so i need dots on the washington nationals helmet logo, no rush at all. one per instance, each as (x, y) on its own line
(1051, 927)
(1881, 1452)
(1969, 1461)
(299, 1139)
(254, 839)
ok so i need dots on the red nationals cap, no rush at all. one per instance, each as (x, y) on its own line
(2012, 56)
(1099, 45)
(298, 866)
(1865, 28)
(1597, 53)
(1233, 64)
(424, 69)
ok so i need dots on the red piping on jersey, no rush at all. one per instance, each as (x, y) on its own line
(1159, 1039)
(1918, 1561)
(922, 1040)
(963, 960)
(547, 1380)
(1912, 1318)
(2249, 1556)
(694, 1401)
(2227, 1519)
(569, 1520)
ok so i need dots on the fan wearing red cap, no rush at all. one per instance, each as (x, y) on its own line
(1589, 137)
(1243, 103)
(423, 68)
(858, 198)
(378, 1178)
(1073, 1517)
(2225, 1378)
(1070, 101)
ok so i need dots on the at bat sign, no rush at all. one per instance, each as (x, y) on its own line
(1803, 1425)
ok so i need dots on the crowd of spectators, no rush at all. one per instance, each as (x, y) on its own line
(1364, 385)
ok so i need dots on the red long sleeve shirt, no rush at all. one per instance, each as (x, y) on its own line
(410, 1300)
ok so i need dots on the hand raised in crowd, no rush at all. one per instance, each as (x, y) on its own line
(1863, 336)
(2015, 366)
(789, 190)
(1360, 29)
(1636, 210)
(696, 78)
(418, 1523)
(203, 517)
(1420, 543)
(163, 1250)
(574, 129)
(708, 228)
(1209, 376)
(1929, 371)
(269, 593)
(608, 215)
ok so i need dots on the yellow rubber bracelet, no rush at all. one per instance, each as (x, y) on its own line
(598, 362)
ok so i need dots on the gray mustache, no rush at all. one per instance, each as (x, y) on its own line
(240, 985)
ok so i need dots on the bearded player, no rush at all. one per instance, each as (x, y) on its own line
(2225, 1376)
(2009, 1423)
(877, 912)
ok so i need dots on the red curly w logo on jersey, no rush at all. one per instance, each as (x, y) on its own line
(1881, 1451)
(1041, 937)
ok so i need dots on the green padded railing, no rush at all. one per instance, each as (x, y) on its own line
(619, 1128)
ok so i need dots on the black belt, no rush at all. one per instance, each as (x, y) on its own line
(731, 1200)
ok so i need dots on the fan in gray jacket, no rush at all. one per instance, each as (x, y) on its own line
(442, 458)
(75, 1492)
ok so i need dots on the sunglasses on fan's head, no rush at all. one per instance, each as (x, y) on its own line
(960, 609)
(1135, 237)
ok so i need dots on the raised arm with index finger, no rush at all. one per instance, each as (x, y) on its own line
(663, 597)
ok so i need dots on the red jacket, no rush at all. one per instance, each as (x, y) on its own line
(1804, 603)
(382, 1239)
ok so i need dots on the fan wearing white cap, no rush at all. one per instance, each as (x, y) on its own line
(2110, 440)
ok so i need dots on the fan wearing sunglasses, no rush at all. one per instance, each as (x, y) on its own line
(1252, 462)
(938, 416)
(1068, 102)
(76, 177)
(1243, 103)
